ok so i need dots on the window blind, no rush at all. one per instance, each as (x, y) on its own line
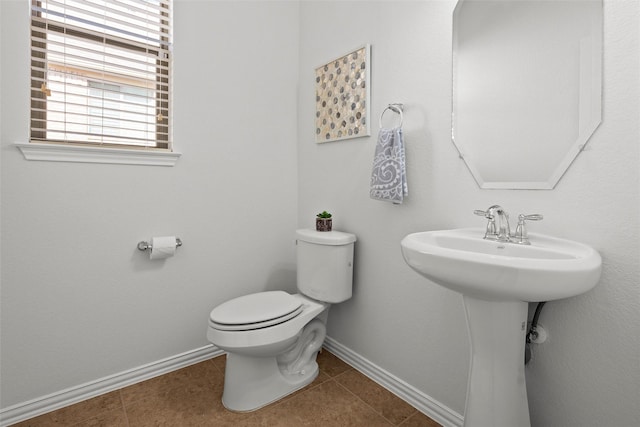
(100, 72)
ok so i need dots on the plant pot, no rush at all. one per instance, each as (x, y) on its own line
(323, 224)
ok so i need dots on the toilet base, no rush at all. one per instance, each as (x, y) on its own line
(253, 382)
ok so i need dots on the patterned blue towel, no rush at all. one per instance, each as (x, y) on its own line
(389, 178)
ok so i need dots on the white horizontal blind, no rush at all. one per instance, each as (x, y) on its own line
(100, 72)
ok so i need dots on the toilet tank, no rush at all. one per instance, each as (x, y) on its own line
(325, 264)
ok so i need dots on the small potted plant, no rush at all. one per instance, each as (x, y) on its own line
(323, 221)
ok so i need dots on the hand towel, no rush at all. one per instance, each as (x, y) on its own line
(389, 178)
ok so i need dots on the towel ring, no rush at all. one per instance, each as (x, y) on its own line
(397, 108)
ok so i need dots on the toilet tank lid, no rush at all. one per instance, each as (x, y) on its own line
(325, 237)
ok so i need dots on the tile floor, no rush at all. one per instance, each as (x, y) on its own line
(340, 396)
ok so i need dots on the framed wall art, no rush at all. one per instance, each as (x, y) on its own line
(343, 95)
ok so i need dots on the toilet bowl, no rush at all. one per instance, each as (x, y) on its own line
(272, 338)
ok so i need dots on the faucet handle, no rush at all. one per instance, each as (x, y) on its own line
(490, 232)
(485, 214)
(521, 236)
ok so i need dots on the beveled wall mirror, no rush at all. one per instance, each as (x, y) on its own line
(527, 87)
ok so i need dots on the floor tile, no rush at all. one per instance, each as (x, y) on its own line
(116, 418)
(339, 397)
(191, 397)
(79, 412)
(328, 404)
(201, 375)
(419, 420)
(205, 410)
(220, 362)
(330, 364)
(382, 400)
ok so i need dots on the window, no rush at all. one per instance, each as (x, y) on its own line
(100, 72)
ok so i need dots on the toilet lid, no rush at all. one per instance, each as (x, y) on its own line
(255, 311)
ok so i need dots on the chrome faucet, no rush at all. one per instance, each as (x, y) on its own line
(503, 228)
(498, 227)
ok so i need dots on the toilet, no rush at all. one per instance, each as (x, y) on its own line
(272, 338)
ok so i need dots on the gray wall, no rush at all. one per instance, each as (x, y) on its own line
(79, 301)
(587, 373)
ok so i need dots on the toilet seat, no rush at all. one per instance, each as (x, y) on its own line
(264, 341)
(255, 311)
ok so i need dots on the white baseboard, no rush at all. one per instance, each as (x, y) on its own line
(23, 411)
(424, 403)
(51, 402)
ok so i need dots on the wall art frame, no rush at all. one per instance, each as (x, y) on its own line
(343, 97)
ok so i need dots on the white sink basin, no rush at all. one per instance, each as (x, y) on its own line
(461, 260)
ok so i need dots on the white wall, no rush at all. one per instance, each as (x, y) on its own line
(79, 301)
(587, 373)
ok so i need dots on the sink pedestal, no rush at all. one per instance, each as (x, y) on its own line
(496, 390)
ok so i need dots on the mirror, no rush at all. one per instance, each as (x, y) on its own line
(527, 87)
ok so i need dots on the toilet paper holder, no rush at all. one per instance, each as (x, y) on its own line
(143, 246)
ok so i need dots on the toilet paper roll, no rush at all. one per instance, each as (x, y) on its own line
(162, 247)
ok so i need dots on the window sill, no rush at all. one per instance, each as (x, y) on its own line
(79, 154)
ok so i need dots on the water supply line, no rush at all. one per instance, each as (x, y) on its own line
(532, 334)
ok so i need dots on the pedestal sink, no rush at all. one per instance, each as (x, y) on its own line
(497, 281)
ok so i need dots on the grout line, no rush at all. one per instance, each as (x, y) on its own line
(124, 408)
(406, 421)
(413, 413)
(423, 403)
(367, 404)
(88, 416)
